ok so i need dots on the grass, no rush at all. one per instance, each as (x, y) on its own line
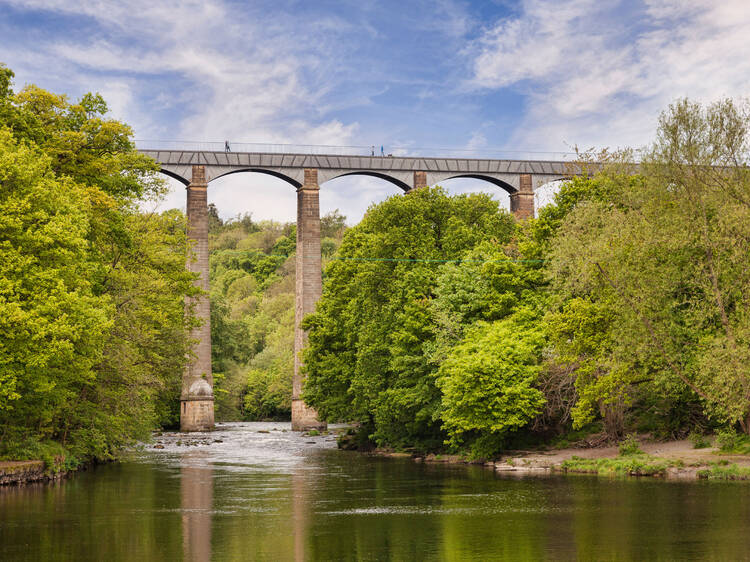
(638, 464)
(723, 470)
(56, 457)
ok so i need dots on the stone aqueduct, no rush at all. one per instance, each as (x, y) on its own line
(195, 169)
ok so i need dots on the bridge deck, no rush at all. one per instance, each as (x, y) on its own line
(397, 169)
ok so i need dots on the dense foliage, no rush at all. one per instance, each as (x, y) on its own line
(623, 305)
(93, 331)
(395, 303)
(252, 312)
(654, 279)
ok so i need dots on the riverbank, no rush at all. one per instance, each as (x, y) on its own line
(670, 459)
(20, 472)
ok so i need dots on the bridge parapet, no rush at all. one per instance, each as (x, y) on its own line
(399, 170)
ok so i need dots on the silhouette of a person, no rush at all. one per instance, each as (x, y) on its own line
(226, 147)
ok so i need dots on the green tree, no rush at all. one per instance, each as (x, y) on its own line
(332, 224)
(109, 341)
(665, 255)
(488, 382)
(214, 220)
(52, 324)
(373, 334)
(252, 318)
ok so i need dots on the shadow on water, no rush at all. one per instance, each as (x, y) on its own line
(257, 492)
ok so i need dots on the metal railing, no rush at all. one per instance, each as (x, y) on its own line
(357, 150)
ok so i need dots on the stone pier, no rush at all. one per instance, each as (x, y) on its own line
(522, 201)
(420, 179)
(309, 289)
(197, 400)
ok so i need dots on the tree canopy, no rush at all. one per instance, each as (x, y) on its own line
(622, 305)
(93, 330)
(376, 331)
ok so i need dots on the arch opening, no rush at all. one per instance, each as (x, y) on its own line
(545, 193)
(390, 179)
(174, 176)
(352, 195)
(466, 185)
(494, 181)
(264, 196)
(279, 175)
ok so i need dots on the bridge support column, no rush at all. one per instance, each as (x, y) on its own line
(420, 179)
(309, 289)
(522, 201)
(197, 400)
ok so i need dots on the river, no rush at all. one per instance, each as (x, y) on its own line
(256, 491)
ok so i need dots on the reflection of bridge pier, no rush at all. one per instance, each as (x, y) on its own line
(306, 172)
(197, 491)
(300, 514)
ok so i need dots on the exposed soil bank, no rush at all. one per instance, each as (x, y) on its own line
(19, 472)
(22, 472)
(679, 458)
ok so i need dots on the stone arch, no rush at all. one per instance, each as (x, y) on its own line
(174, 176)
(293, 182)
(505, 186)
(401, 183)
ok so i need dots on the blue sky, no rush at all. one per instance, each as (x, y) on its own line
(492, 76)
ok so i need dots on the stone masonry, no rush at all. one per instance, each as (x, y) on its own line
(399, 170)
(522, 201)
(309, 289)
(197, 400)
(420, 179)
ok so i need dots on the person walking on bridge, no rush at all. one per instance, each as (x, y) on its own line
(226, 146)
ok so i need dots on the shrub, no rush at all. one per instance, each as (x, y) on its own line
(699, 440)
(634, 465)
(728, 440)
(630, 446)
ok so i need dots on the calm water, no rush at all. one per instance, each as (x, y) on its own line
(277, 496)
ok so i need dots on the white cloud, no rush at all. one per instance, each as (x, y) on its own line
(242, 78)
(226, 75)
(477, 142)
(529, 47)
(599, 77)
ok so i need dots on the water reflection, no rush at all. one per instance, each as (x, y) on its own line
(197, 498)
(256, 492)
(300, 514)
